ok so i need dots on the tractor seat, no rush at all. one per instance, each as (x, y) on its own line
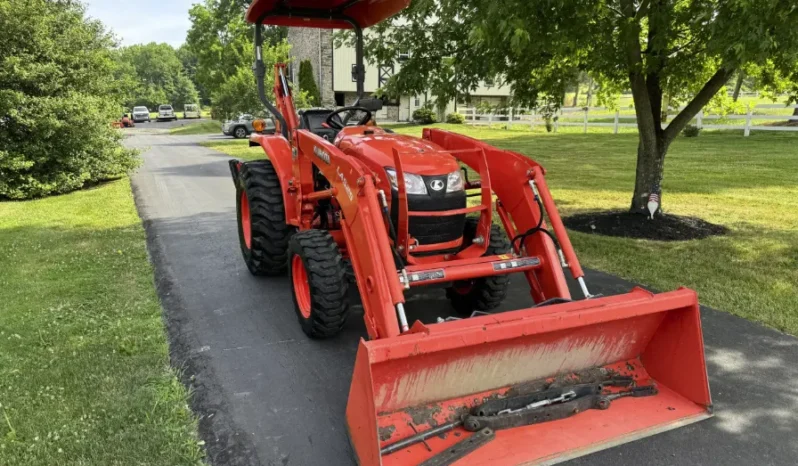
(312, 119)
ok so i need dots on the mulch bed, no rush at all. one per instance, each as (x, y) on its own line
(664, 227)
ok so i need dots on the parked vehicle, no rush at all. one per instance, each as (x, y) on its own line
(191, 111)
(166, 112)
(141, 114)
(241, 127)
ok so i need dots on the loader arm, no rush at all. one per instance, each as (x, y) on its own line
(510, 174)
(352, 185)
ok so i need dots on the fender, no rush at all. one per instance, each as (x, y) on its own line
(278, 151)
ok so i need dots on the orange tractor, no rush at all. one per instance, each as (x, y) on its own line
(560, 379)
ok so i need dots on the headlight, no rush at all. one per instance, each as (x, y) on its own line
(454, 182)
(414, 184)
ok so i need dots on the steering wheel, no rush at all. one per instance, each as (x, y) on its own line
(339, 124)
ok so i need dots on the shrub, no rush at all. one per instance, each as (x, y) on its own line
(424, 116)
(485, 108)
(57, 101)
(307, 83)
(691, 131)
(455, 118)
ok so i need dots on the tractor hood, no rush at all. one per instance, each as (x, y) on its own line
(374, 147)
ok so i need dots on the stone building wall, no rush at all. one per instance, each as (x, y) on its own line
(314, 45)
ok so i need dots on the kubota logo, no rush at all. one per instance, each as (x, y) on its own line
(322, 154)
(436, 185)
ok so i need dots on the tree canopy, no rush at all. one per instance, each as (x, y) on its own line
(665, 51)
(221, 42)
(57, 100)
(153, 74)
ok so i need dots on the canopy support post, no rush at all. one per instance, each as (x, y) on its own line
(260, 75)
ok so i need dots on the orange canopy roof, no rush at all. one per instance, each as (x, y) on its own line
(327, 14)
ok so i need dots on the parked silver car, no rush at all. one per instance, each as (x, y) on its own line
(241, 127)
(166, 112)
(141, 114)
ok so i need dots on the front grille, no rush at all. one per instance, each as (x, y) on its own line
(431, 230)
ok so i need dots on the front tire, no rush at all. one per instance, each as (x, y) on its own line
(486, 293)
(240, 132)
(317, 274)
(262, 229)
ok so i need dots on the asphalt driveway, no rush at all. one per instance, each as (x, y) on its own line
(268, 395)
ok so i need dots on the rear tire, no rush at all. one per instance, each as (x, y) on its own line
(487, 293)
(262, 230)
(317, 274)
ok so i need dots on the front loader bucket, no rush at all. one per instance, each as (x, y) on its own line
(436, 373)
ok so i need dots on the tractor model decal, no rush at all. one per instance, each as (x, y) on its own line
(322, 154)
(427, 275)
(516, 263)
(348, 190)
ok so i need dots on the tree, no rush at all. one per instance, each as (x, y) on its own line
(307, 83)
(239, 94)
(775, 82)
(190, 64)
(221, 42)
(686, 50)
(57, 100)
(156, 75)
(433, 55)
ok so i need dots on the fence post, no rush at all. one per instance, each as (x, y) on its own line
(615, 128)
(748, 122)
(556, 120)
(584, 131)
(699, 119)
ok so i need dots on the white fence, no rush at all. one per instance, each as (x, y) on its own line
(568, 117)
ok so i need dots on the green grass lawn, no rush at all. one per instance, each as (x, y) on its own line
(84, 368)
(203, 127)
(747, 184)
(238, 148)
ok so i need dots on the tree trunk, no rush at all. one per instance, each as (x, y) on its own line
(795, 111)
(738, 85)
(647, 93)
(649, 172)
(576, 96)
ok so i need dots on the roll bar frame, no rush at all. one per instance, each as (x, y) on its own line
(260, 69)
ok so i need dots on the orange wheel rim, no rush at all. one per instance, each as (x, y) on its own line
(246, 221)
(301, 288)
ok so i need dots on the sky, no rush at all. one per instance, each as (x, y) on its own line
(144, 21)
